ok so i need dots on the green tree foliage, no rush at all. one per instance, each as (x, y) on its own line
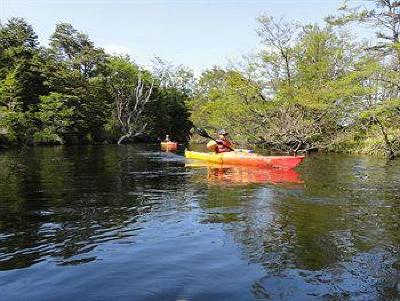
(21, 78)
(168, 75)
(78, 70)
(379, 112)
(168, 115)
(165, 111)
(299, 102)
(310, 87)
(225, 98)
(58, 116)
(66, 93)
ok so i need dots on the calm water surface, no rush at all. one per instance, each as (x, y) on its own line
(132, 223)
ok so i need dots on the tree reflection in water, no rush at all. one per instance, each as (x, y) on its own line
(335, 238)
(55, 206)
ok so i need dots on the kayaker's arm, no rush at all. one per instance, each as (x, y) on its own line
(225, 143)
(203, 133)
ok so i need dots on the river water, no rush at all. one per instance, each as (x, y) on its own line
(134, 223)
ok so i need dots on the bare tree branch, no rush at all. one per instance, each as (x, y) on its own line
(130, 106)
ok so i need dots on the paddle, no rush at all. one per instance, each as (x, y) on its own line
(203, 133)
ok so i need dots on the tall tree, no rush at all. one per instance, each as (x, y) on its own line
(77, 50)
(170, 76)
(279, 38)
(78, 70)
(21, 76)
(20, 65)
(381, 106)
(132, 91)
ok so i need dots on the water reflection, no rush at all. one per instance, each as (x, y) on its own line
(57, 205)
(336, 239)
(239, 175)
(164, 228)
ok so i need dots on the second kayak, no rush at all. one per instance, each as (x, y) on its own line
(247, 159)
(169, 145)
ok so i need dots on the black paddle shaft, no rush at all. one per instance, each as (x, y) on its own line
(203, 133)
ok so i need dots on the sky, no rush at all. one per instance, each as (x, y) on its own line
(196, 33)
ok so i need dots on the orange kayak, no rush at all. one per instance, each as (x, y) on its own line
(169, 145)
(247, 159)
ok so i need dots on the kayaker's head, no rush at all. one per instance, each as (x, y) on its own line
(222, 134)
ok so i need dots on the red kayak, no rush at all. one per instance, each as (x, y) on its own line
(247, 159)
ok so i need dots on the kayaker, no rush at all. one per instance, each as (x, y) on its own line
(222, 144)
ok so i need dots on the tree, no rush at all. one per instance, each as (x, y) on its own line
(131, 95)
(72, 92)
(168, 114)
(20, 65)
(18, 41)
(21, 77)
(178, 77)
(384, 18)
(310, 72)
(279, 38)
(226, 98)
(301, 100)
(77, 69)
(57, 113)
(77, 50)
(381, 105)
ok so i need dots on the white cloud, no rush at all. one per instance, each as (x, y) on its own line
(117, 50)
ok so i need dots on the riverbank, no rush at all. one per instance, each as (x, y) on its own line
(373, 146)
(370, 143)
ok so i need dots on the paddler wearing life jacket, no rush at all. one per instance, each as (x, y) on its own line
(222, 144)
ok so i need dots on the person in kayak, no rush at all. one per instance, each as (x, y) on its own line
(221, 145)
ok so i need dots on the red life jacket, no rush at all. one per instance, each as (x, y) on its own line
(223, 146)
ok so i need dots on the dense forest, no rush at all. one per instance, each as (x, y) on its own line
(73, 92)
(311, 87)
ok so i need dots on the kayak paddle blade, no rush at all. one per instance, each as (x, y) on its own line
(202, 132)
